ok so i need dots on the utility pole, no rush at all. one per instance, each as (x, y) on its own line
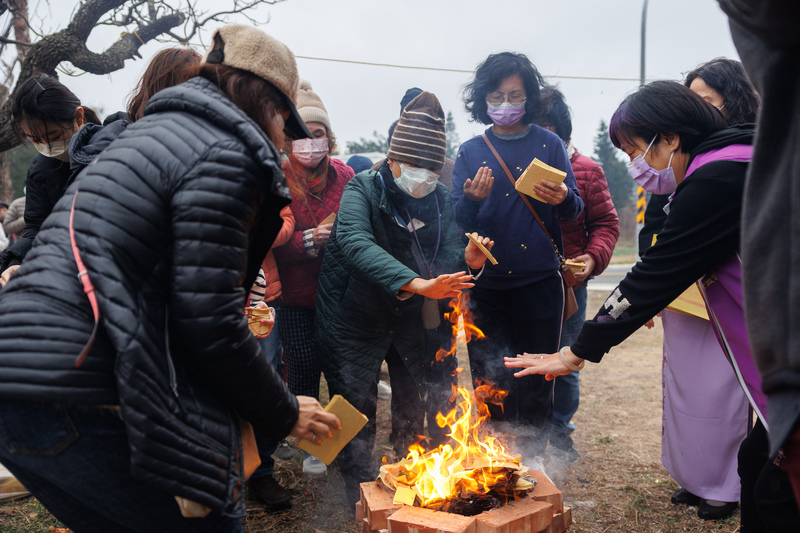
(641, 195)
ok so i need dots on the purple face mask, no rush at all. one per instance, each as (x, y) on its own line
(505, 114)
(650, 179)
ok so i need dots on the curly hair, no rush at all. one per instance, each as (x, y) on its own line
(491, 73)
(665, 107)
(729, 79)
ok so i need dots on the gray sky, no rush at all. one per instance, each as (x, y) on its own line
(592, 38)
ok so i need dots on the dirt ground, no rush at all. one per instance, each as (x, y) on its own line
(618, 485)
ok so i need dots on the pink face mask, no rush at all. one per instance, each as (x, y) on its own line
(309, 152)
(505, 114)
(650, 179)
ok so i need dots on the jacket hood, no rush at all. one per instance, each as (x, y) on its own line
(739, 134)
(201, 97)
(92, 139)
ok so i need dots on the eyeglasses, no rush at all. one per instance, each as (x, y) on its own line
(514, 97)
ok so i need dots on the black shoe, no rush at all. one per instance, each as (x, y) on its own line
(562, 448)
(269, 492)
(716, 512)
(684, 497)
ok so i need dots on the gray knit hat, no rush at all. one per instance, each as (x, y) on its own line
(419, 138)
(247, 48)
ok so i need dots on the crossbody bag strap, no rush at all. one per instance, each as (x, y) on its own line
(524, 198)
(88, 288)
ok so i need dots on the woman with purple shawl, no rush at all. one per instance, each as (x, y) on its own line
(679, 143)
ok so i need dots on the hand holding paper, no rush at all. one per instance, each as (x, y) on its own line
(350, 423)
(543, 182)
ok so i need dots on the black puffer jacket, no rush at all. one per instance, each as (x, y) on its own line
(172, 222)
(46, 181)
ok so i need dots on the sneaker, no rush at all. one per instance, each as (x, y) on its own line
(314, 467)
(268, 491)
(285, 452)
(384, 390)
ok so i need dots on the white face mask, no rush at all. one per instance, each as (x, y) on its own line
(56, 150)
(309, 152)
(416, 181)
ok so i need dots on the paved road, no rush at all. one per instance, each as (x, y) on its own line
(610, 278)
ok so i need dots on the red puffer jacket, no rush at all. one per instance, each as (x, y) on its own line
(596, 230)
(297, 269)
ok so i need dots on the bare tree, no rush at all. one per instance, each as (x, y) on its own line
(142, 20)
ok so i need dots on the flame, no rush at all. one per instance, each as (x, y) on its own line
(460, 319)
(474, 464)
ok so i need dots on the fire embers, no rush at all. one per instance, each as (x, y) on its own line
(472, 475)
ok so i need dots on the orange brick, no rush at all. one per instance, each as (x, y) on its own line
(360, 511)
(420, 520)
(522, 516)
(545, 491)
(561, 522)
(377, 504)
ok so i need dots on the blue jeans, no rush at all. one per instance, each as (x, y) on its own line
(567, 393)
(271, 346)
(76, 461)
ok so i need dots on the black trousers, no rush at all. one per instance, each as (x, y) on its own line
(526, 319)
(768, 504)
(408, 416)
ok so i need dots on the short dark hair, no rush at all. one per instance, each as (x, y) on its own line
(729, 79)
(45, 98)
(665, 107)
(557, 114)
(491, 73)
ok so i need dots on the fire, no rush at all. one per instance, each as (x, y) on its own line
(475, 466)
(460, 319)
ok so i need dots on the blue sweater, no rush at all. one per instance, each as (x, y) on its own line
(523, 251)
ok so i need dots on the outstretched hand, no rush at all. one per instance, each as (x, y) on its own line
(548, 364)
(441, 287)
(479, 187)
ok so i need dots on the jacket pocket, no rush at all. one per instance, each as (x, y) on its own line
(36, 429)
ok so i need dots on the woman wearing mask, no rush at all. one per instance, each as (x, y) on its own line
(48, 114)
(316, 182)
(394, 251)
(125, 360)
(679, 143)
(519, 303)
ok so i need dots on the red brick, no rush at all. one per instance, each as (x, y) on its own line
(522, 516)
(545, 491)
(360, 511)
(420, 520)
(377, 504)
(561, 522)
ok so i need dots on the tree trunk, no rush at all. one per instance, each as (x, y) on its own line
(6, 188)
(20, 21)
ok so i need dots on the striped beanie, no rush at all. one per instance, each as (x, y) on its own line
(419, 137)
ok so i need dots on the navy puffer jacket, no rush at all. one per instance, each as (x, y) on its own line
(172, 221)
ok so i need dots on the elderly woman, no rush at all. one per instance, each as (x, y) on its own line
(519, 303)
(316, 182)
(394, 251)
(125, 358)
(677, 141)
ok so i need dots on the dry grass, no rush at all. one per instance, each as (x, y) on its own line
(618, 485)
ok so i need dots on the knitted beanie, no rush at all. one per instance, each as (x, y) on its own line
(310, 106)
(410, 95)
(419, 137)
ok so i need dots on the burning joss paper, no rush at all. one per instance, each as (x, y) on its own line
(471, 475)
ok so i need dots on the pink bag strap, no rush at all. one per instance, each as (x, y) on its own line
(88, 288)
